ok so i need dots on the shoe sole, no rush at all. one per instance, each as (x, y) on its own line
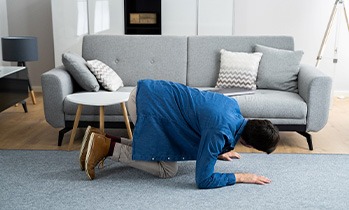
(83, 145)
(90, 144)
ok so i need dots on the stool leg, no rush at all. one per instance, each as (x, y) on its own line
(101, 118)
(127, 122)
(32, 94)
(76, 123)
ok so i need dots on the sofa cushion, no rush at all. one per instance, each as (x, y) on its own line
(204, 57)
(76, 66)
(278, 69)
(108, 78)
(238, 69)
(273, 104)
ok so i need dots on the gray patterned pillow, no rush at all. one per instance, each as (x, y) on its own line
(108, 78)
(278, 69)
(238, 69)
(76, 66)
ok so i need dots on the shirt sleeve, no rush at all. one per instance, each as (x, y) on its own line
(211, 145)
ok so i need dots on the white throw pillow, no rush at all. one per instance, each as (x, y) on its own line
(238, 69)
(106, 76)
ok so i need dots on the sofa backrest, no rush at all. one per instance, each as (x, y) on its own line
(204, 54)
(136, 57)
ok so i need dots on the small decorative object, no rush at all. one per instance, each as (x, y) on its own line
(142, 18)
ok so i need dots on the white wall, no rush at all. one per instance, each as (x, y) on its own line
(66, 35)
(179, 17)
(215, 17)
(3, 26)
(33, 18)
(112, 11)
(306, 21)
(68, 15)
(197, 17)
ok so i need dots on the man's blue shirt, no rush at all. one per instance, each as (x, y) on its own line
(176, 123)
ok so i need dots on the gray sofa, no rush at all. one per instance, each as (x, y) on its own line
(193, 61)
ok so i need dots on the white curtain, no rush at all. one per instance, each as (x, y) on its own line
(82, 18)
(101, 17)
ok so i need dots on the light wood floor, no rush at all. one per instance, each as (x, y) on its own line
(19, 130)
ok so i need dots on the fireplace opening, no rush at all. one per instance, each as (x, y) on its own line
(142, 16)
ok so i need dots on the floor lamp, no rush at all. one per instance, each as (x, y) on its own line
(329, 26)
(20, 49)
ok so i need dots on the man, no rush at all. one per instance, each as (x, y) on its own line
(174, 122)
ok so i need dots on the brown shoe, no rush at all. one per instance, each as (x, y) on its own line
(97, 151)
(85, 140)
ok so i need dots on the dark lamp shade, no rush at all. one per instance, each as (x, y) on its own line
(19, 48)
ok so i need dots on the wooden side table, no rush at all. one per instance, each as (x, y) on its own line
(100, 99)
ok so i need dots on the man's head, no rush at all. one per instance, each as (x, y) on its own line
(261, 135)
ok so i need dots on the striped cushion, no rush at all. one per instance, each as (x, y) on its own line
(238, 69)
(108, 78)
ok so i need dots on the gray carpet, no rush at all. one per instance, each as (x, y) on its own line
(53, 180)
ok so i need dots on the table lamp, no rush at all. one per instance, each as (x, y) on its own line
(20, 49)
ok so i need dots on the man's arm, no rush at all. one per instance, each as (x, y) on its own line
(211, 145)
(251, 179)
(229, 156)
(244, 177)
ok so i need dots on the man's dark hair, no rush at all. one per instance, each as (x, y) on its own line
(261, 135)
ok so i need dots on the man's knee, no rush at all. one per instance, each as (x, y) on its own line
(170, 169)
(131, 105)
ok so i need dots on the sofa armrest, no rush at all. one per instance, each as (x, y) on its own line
(56, 85)
(315, 88)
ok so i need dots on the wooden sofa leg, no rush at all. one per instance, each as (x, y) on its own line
(308, 137)
(61, 135)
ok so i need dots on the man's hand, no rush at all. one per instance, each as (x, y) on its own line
(251, 179)
(229, 156)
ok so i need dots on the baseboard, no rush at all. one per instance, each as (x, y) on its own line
(37, 89)
(341, 94)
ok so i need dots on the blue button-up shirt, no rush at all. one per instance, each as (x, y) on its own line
(176, 122)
